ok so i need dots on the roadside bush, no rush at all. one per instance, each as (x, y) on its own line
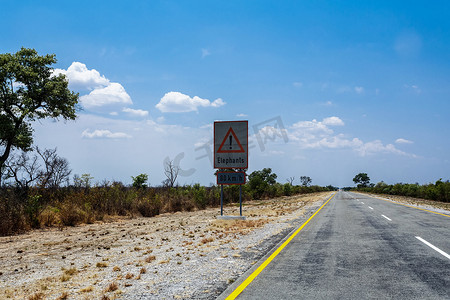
(262, 183)
(32, 209)
(439, 191)
(148, 207)
(199, 195)
(50, 216)
(287, 189)
(71, 214)
(12, 217)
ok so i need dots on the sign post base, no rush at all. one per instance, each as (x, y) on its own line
(231, 217)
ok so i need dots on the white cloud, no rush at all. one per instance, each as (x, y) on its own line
(298, 84)
(81, 78)
(335, 142)
(103, 92)
(102, 134)
(318, 135)
(359, 89)
(178, 102)
(205, 53)
(378, 147)
(403, 141)
(273, 153)
(413, 88)
(136, 112)
(308, 128)
(333, 121)
(328, 103)
(218, 103)
(113, 94)
(241, 115)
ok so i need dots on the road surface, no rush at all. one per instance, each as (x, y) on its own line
(358, 247)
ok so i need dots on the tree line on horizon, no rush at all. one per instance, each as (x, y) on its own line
(38, 194)
(438, 191)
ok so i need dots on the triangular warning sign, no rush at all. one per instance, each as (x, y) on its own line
(228, 145)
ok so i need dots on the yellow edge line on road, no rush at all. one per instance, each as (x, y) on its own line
(433, 212)
(255, 273)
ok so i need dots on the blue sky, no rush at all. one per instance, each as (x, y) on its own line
(330, 89)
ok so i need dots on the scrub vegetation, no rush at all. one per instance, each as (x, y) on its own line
(438, 191)
(37, 205)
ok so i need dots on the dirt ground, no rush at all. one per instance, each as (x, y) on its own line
(142, 256)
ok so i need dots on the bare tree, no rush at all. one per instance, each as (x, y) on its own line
(290, 180)
(23, 169)
(171, 171)
(26, 170)
(57, 168)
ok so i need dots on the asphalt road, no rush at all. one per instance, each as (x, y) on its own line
(359, 247)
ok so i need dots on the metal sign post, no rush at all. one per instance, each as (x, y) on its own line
(240, 200)
(221, 199)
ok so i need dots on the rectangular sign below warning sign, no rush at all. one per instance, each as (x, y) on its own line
(231, 145)
(230, 178)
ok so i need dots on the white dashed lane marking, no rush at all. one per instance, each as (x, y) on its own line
(386, 218)
(433, 247)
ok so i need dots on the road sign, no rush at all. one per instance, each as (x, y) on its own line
(231, 145)
(230, 178)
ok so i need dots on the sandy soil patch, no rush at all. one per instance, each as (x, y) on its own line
(180, 255)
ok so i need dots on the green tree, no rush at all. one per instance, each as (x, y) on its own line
(260, 181)
(305, 180)
(29, 91)
(84, 181)
(362, 180)
(140, 181)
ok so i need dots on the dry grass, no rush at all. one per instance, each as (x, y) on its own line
(206, 240)
(150, 258)
(70, 272)
(129, 276)
(101, 265)
(143, 271)
(36, 296)
(87, 289)
(116, 269)
(63, 296)
(112, 287)
(238, 226)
